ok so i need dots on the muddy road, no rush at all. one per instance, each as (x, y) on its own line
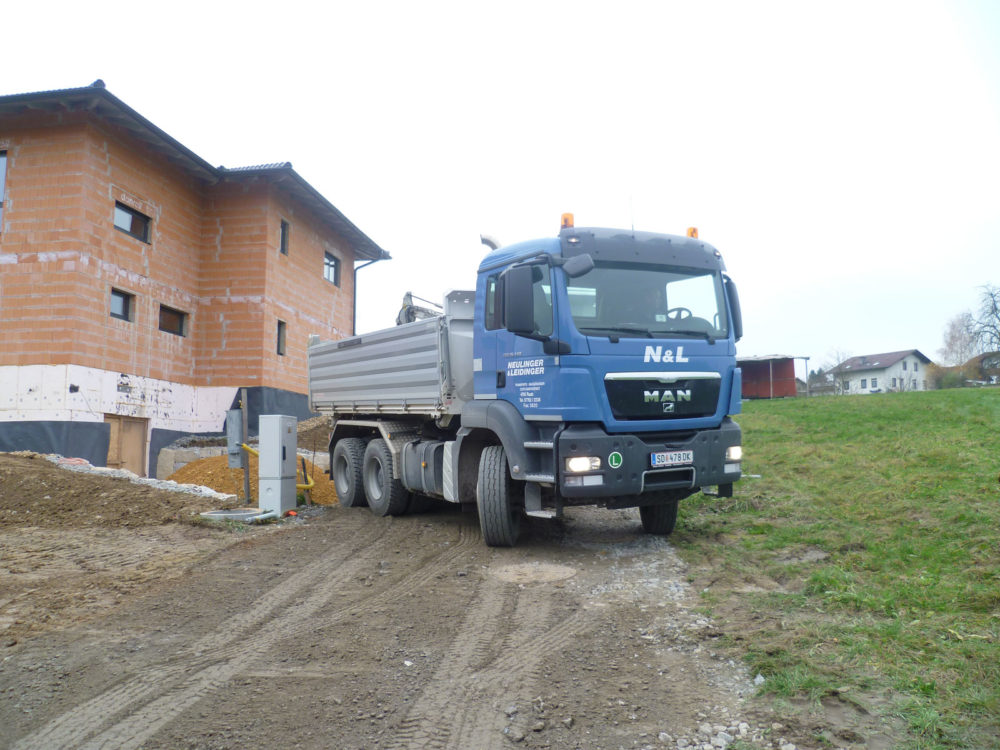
(346, 630)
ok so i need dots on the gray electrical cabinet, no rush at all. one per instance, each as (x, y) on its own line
(276, 469)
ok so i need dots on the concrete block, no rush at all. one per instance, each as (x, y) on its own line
(186, 455)
(165, 463)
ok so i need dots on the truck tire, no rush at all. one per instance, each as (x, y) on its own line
(345, 470)
(386, 496)
(660, 518)
(499, 516)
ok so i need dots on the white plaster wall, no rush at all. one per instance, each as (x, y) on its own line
(884, 377)
(42, 392)
(897, 371)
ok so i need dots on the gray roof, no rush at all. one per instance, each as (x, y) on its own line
(97, 100)
(878, 361)
(767, 358)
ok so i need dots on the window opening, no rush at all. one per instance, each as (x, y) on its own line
(173, 321)
(132, 222)
(122, 305)
(331, 268)
(282, 329)
(283, 237)
(3, 184)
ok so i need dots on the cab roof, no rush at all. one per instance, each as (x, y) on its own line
(613, 245)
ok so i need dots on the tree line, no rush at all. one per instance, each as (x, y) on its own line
(972, 333)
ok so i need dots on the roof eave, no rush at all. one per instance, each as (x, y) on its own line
(105, 105)
(284, 174)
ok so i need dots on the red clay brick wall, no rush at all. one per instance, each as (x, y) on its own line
(299, 295)
(213, 253)
(231, 286)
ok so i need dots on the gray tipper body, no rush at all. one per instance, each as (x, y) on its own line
(422, 368)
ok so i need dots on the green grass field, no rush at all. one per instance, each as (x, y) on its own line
(865, 559)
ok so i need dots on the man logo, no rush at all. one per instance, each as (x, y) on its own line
(668, 407)
(667, 396)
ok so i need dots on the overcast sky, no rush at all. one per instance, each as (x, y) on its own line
(844, 157)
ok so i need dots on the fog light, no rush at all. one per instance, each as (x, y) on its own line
(734, 453)
(576, 464)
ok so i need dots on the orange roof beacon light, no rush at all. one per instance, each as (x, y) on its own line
(693, 232)
(567, 221)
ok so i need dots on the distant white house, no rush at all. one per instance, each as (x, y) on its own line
(878, 373)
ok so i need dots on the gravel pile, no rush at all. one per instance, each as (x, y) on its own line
(81, 465)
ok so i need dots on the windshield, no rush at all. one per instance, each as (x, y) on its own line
(648, 301)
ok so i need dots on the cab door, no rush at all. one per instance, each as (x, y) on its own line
(524, 372)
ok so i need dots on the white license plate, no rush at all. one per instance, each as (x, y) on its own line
(671, 458)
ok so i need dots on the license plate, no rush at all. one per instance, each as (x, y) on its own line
(671, 458)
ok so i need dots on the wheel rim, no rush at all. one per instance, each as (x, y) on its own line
(373, 480)
(340, 475)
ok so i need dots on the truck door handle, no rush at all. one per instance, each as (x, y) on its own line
(501, 379)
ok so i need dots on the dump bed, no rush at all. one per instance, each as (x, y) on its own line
(423, 367)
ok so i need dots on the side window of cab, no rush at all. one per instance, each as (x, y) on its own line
(541, 293)
(494, 303)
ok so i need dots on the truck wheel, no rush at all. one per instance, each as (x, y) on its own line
(499, 518)
(386, 496)
(345, 469)
(660, 518)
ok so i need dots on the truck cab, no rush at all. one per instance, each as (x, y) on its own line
(614, 352)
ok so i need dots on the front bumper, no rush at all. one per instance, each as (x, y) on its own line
(626, 467)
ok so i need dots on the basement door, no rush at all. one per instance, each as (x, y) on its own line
(127, 447)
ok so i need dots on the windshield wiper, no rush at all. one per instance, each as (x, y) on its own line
(614, 333)
(703, 334)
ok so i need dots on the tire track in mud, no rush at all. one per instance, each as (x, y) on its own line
(148, 701)
(494, 661)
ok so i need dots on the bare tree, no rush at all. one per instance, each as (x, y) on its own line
(834, 359)
(986, 323)
(960, 340)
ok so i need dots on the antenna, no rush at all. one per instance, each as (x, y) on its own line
(631, 214)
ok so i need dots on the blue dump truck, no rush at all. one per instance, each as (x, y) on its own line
(594, 368)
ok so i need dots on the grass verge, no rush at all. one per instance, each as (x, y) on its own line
(865, 558)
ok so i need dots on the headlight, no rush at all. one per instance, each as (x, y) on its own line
(734, 453)
(576, 464)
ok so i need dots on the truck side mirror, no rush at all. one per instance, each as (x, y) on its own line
(578, 265)
(734, 307)
(518, 301)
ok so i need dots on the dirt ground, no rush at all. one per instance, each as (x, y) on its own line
(124, 625)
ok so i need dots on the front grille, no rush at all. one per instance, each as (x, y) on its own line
(651, 399)
(668, 479)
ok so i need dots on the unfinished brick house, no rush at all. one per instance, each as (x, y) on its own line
(141, 287)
